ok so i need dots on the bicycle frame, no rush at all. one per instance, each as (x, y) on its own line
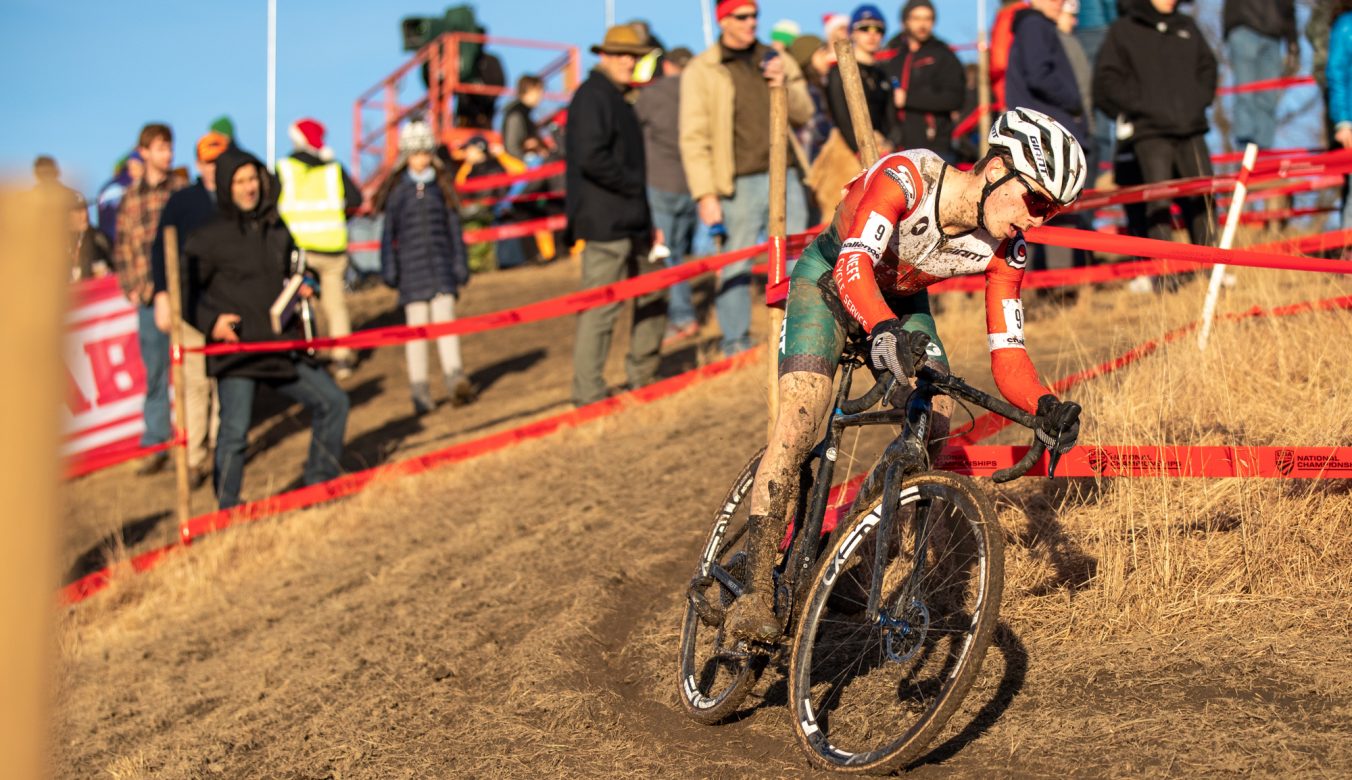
(907, 454)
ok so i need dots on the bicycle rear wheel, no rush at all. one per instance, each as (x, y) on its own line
(715, 676)
(869, 696)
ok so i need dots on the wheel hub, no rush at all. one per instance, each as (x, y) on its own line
(904, 635)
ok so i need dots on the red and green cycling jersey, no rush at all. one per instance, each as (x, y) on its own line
(892, 244)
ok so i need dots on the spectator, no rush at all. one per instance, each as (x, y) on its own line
(783, 34)
(47, 177)
(1254, 32)
(520, 135)
(1092, 18)
(839, 158)
(866, 34)
(1153, 51)
(316, 196)
(224, 125)
(91, 254)
(1002, 40)
(649, 66)
(138, 217)
(1040, 76)
(128, 170)
(607, 206)
(836, 27)
(814, 58)
(187, 210)
(423, 256)
(673, 210)
(238, 263)
(477, 111)
(725, 148)
(930, 83)
(1338, 76)
(481, 159)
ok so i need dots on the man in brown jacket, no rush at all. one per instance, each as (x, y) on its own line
(725, 149)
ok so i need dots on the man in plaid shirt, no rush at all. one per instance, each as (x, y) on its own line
(138, 219)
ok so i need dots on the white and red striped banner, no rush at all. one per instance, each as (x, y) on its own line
(106, 379)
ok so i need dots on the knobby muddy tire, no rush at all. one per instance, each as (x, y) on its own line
(958, 613)
(730, 681)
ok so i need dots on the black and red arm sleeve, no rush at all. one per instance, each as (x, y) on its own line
(1013, 370)
(892, 190)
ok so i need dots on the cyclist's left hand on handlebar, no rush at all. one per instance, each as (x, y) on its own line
(899, 351)
(1058, 423)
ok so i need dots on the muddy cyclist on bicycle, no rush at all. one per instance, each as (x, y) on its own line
(907, 222)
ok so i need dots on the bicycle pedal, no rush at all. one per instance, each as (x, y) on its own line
(710, 615)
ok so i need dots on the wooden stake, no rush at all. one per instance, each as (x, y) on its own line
(184, 503)
(854, 98)
(33, 258)
(779, 176)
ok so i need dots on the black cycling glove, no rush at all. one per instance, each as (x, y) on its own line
(896, 350)
(1058, 423)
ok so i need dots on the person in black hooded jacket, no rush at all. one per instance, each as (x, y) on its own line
(1157, 76)
(238, 264)
(930, 83)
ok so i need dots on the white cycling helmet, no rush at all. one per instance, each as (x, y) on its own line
(1043, 150)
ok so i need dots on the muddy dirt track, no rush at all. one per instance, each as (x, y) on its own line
(517, 615)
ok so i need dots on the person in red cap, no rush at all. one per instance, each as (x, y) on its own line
(317, 194)
(725, 148)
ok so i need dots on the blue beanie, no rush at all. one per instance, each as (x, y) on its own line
(867, 13)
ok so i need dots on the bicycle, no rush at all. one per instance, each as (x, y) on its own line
(885, 630)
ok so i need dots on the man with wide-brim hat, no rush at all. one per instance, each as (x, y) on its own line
(620, 40)
(607, 206)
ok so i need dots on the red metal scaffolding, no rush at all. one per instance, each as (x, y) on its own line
(375, 141)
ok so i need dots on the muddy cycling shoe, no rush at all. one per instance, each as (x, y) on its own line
(752, 617)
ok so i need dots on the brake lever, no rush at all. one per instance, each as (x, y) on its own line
(1052, 457)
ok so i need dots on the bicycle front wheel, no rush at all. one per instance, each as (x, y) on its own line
(869, 694)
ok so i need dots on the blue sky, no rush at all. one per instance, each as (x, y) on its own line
(83, 76)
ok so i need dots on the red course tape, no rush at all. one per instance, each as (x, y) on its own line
(350, 484)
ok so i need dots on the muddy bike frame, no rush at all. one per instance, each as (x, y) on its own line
(907, 454)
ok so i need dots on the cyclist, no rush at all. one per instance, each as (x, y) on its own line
(907, 222)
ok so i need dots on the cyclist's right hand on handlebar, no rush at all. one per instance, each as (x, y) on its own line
(896, 350)
(1058, 423)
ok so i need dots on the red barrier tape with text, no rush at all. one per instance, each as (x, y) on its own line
(542, 310)
(481, 183)
(1333, 462)
(1152, 247)
(989, 424)
(351, 484)
(1327, 164)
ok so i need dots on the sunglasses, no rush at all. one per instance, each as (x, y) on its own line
(1039, 206)
(870, 28)
(745, 17)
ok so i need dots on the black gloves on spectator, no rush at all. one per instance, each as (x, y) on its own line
(1058, 423)
(897, 350)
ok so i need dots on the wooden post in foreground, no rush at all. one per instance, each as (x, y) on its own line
(854, 98)
(779, 175)
(183, 504)
(37, 266)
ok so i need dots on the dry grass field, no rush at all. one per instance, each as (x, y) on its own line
(517, 615)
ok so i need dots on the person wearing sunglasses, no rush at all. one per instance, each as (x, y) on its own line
(909, 221)
(839, 158)
(725, 150)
